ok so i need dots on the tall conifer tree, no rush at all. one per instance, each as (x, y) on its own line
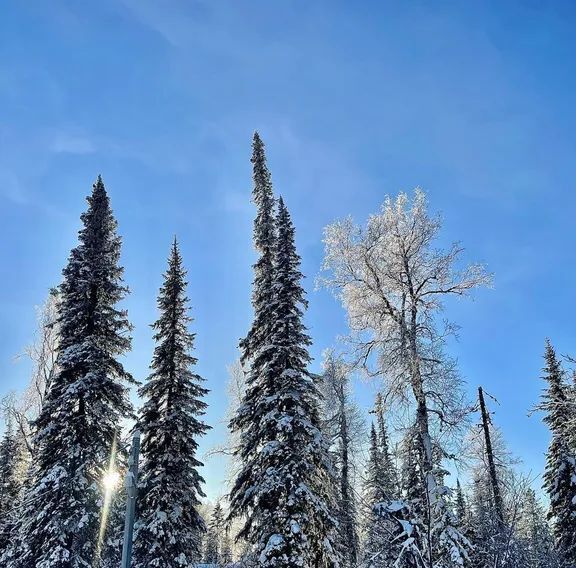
(226, 548)
(264, 241)
(283, 488)
(535, 539)
(381, 547)
(560, 474)
(375, 555)
(13, 465)
(169, 526)
(87, 400)
(460, 509)
(256, 352)
(215, 537)
(390, 475)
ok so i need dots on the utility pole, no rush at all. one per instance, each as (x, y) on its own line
(131, 494)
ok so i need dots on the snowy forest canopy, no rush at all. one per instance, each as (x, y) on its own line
(423, 481)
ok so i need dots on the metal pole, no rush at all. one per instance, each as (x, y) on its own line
(131, 494)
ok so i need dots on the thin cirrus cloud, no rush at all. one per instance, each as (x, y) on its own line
(67, 143)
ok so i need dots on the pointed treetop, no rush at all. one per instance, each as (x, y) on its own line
(257, 149)
(263, 197)
(553, 369)
(284, 213)
(99, 195)
(175, 249)
(175, 271)
(549, 351)
(286, 244)
(98, 185)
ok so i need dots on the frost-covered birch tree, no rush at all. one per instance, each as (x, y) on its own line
(392, 280)
(23, 409)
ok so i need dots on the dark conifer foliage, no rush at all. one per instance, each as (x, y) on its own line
(374, 494)
(226, 548)
(283, 487)
(256, 350)
(85, 404)
(381, 547)
(461, 510)
(12, 471)
(389, 474)
(560, 474)
(215, 537)
(169, 527)
(264, 242)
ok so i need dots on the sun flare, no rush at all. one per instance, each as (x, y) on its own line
(111, 480)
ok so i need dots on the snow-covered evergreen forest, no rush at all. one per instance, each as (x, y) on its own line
(423, 480)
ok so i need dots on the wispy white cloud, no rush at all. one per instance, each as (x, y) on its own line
(68, 143)
(176, 23)
(11, 189)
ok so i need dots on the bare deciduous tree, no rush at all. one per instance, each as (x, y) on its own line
(24, 409)
(392, 282)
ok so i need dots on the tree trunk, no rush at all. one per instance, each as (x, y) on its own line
(423, 427)
(498, 506)
(349, 530)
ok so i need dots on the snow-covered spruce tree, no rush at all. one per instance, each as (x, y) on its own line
(343, 428)
(460, 507)
(482, 523)
(245, 425)
(413, 496)
(13, 465)
(392, 279)
(390, 479)
(211, 555)
(264, 241)
(282, 489)
(381, 526)
(226, 556)
(560, 474)
(86, 401)
(215, 536)
(169, 527)
(537, 544)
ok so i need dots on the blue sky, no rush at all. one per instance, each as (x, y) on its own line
(473, 101)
